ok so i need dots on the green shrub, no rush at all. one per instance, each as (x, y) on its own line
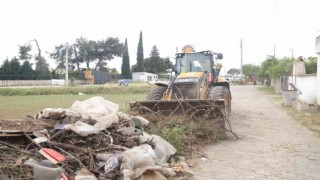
(184, 133)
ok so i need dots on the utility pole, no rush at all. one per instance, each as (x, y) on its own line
(67, 74)
(291, 53)
(274, 51)
(241, 47)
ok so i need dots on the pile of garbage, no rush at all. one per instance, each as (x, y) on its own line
(89, 140)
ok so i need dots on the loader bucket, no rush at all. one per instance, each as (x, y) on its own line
(191, 107)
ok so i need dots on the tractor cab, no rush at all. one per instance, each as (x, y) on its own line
(204, 61)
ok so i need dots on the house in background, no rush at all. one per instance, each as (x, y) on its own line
(143, 77)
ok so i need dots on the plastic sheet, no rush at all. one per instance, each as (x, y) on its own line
(163, 150)
(44, 170)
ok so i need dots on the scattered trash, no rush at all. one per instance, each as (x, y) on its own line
(44, 170)
(307, 114)
(144, 121)
(84, 129)
(90, 140)
(204, 159)
(181, 167)
(84, 174)
(163, 150)
(40, 139)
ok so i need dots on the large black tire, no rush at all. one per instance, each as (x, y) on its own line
(221, 92)
(156, 93)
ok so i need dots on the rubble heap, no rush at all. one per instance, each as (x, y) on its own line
(89, 140)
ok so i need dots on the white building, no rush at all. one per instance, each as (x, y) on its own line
(143, 77)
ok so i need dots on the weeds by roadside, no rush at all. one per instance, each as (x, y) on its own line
(187, 135)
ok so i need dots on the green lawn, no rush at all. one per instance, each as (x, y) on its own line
(18, 107)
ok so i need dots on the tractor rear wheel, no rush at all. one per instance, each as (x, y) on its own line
(156, 93)
(221, 92)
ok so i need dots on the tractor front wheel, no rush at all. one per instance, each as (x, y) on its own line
(156, 93)
(221, 92)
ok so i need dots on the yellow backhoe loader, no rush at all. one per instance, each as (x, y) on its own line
(196, 89)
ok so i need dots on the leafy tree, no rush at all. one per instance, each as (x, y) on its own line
(233, 71)
(59, 54)
(156, 64)
(140, 56)
(77, 59)
(311, 65)
(264, 72)
(282, 68)
(250, 69)
(5, 70)
(107, 50)
(87, 51)
(26, 71)
(15, 68)
(42, 68)
(167, 64)
(24, 52)
(10, 69)
(125, 67)
(134, 68)
(56, 75)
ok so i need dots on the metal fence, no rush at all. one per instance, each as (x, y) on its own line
(7, 83)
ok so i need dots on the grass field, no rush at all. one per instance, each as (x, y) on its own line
(20, 105)
(133, 88)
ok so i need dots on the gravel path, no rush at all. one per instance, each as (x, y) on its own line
(272, 145)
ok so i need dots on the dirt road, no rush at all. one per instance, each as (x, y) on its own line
(272, 145)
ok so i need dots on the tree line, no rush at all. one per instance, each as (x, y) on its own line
(273, 67)
(93, 55)
(20, 68)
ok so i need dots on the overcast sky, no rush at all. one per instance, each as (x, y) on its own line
(208, 25)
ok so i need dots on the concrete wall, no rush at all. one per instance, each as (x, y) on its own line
(299, 68)
(306, 84)
(308, 87)
(5, 83)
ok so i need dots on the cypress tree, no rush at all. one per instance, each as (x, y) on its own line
(140, 64)
(125, 68)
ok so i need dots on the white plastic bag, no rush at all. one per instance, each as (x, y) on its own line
(84, 174)
(84, 129)
(99, 109)
(110, 161)
(163, 150)
(136, 160)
